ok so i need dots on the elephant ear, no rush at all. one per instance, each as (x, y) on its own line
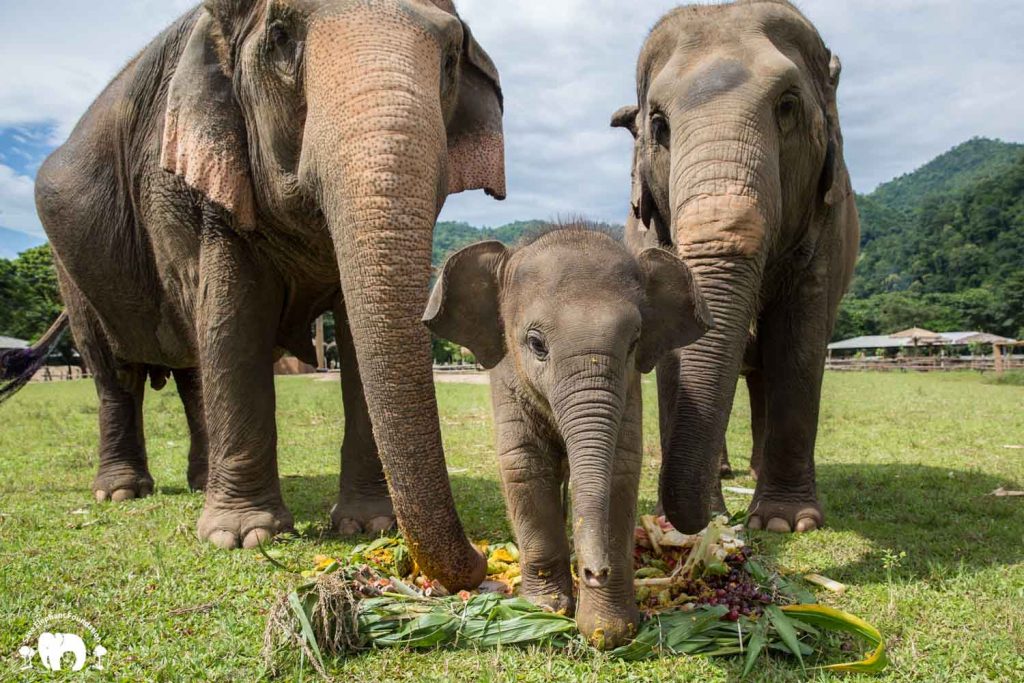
(625, 117)
(476, 142)
(835, 183)
(675, 313)
(641, 200)
(465, 304)
(204, 140)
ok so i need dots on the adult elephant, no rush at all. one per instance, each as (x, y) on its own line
(259, 163)
(738, 165)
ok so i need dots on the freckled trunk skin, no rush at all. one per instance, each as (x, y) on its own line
(379, 152)
(720, 223)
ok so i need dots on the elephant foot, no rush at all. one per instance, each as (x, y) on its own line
(198, 471)
(607, 630)
(354, 515)
(784, 516)
(553, 601)
(120, 483)
(548, 584)
(231, 524)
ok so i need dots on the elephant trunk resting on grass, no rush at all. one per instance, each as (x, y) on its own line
(738, 166)
(256, 165)
(568, 322)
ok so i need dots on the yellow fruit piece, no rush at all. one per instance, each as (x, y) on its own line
(321, 562)
(502, 555)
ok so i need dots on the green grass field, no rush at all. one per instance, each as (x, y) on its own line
(905, 463)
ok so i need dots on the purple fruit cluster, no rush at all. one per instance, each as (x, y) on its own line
(736, 589)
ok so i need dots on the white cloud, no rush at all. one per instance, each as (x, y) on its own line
(17, 202)
(919, 77)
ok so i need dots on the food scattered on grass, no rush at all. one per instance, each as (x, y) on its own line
(826, 583)
(700, 594)
(1004, 493)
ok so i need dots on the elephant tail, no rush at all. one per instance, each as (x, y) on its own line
(17, 366)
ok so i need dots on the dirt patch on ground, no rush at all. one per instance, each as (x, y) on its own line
(439, 377)
(462, 378)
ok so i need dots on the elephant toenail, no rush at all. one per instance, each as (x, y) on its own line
(778, 525)
(348, 527)
(754, 522)
(223, 539)
(122, 495)
(806, 524)
(380, 524)
(100, 496)
(257, 537)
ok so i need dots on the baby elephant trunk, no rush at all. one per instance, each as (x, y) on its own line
(588, 418)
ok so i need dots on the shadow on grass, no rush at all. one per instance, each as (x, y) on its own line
(945, 520)
(478, 499)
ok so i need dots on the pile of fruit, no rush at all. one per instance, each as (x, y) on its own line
(700, 594)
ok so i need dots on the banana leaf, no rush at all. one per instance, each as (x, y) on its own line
(836, 620)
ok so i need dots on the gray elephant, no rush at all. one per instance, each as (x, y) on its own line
(738, 166)
(53, 647)
(258, 164)
(568, 322)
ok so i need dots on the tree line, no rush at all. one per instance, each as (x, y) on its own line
(941, 248)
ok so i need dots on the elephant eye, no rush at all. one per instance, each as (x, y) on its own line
(634, 343)
(449, 67)
(281, 47)
(787, 111)
(660, 131)
(538, 347)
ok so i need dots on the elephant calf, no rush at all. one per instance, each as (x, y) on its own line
(568, 322)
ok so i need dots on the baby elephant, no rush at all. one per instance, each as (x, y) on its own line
(568, 322)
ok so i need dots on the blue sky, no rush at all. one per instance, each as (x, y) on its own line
(919, 77)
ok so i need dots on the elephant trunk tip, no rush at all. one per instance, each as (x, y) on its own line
(596, 577)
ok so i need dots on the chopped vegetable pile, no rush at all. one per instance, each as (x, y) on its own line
(700, 594)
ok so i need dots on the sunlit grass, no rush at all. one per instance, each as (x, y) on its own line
(905, 463)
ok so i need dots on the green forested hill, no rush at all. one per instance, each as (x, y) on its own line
(943, 247)
(450, 237)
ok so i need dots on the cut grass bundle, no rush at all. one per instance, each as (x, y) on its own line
(350, 607)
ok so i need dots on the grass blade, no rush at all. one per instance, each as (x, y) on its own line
(307, 629)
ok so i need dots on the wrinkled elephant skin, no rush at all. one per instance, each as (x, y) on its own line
(738, 166)
(568, 322)
(258, 164)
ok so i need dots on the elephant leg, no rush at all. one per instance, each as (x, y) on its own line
(240, 303)
(364, 503)
(724, 467)
(191, 393)
(755, 388)
(532, 481)
(667, 377)
(123, 471)
(793, 343)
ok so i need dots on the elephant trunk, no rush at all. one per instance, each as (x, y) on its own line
(378, 155)
(721, 225)
(588, 412)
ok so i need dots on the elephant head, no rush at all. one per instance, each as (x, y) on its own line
(53, 647)
(345, 124)
(572, 317)
(737, 165)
